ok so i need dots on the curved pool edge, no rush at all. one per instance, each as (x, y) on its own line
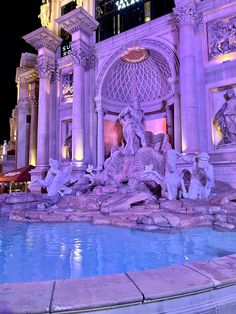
(200, 287)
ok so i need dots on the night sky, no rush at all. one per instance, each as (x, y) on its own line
(25, 20)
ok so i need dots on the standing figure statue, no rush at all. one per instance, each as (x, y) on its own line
(131, 119)
(45, 13)
(225, 119)
(202, 177)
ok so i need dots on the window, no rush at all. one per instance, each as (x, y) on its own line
(116, 16)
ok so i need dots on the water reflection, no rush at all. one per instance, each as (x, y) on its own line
(44, 251)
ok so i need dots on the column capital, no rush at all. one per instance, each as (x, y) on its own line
(56, 75)
(91, 60)
(43, 38)
(185, 13)
(78, 20)
(99, 109)
(79, 54)
(45, 67)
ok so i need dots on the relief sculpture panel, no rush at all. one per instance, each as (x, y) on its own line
(221, 36)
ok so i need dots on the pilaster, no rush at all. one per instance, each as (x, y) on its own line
(22, 110)
(100, 133)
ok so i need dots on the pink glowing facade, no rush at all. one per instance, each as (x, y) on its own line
(179, 65)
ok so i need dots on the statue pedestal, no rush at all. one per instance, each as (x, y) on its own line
(38, 173)
(223, 158)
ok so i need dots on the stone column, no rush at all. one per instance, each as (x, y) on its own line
(45, 69)
(170, 123)
(13, 130)
(46, 43)
(22, 109)
(33, 131)
(185, 14)
(81, 25)
(78, 110)
(100, 134)
(54, 112)
(177, 122)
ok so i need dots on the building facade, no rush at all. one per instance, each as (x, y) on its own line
(96, 57)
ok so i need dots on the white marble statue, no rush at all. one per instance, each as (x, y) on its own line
(171, 185)
(131, 119)
(225, 119)
(202, 177)
(56, 180)
(170, 182)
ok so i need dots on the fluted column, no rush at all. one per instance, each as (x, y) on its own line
(33, 131)
(177, 122)
(45, 69)
(78, 55)
(170, 123)
(100, 135)
(185, 14)
(54, 105)
(22, 111)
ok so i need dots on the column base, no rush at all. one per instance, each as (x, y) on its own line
(79, 165)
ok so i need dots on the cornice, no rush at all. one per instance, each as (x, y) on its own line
(27, 74)
(43, 38)
(78, 20)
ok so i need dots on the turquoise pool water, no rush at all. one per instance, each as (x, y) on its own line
(45, 251)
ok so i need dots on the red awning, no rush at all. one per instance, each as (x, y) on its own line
(17, 175)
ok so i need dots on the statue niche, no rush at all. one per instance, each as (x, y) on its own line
(225, 119)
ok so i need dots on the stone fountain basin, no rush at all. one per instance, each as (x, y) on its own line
(200, 287)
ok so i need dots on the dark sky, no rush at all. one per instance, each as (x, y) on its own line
(12, 45)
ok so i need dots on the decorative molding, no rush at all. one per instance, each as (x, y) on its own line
(185, 14)
(78, 20)
(221, 36)
(43, 38)
(29, 76)
(221, 72)
(45, 67)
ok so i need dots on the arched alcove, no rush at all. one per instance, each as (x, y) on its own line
(148, 79)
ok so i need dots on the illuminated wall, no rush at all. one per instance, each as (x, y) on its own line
(113, 131)
(112, 135)
(156, 125)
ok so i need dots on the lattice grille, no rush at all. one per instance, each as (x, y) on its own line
(150, 78)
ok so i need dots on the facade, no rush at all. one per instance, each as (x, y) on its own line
(96, 57)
